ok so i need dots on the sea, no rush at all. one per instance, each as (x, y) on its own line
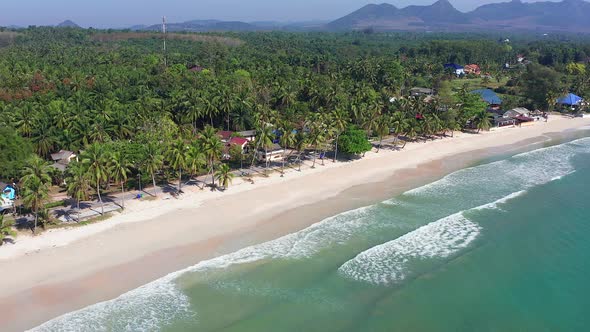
(503, 245)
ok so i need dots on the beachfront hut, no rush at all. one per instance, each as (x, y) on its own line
(519, 111)
(570, 100)
(523, 120)
(489, 97)
(500, 121)
(458, 69)
(274, 153)
(250, 135)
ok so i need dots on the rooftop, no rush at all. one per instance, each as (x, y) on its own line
(61, 155)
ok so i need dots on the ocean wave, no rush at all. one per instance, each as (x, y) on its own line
(494, 205)
(519, 172)
(146, 308)
(160, 302)
(392, 262)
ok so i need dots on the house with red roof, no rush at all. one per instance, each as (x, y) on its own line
(225, 135)
(239, 141)
(472, 69)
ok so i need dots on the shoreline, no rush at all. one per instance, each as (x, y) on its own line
(194, 229)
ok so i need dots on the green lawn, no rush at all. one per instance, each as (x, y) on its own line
(477, 83)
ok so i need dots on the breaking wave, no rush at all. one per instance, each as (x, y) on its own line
(392, 261)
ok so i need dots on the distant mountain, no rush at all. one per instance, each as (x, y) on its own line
(68, 24)
(204, 25)
(370, 15)
(439, 12)
(137, 27)
(567, 15)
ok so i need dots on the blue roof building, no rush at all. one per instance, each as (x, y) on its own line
(488, 96)
(570, 99)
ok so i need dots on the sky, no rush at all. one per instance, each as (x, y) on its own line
(124, 13)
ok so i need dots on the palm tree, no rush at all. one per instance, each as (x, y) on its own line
(339, 122)
(381, 129)
(119, 169)
(153, 162)
(35, 186)
(6, 229)
(176, 156)
(287, 140)
(195, 159)
(224, 175)
(212, 148)
(482, 120)
(264, 137)
(399, 125)
(95, 161)
(78, 183)
(300, 144)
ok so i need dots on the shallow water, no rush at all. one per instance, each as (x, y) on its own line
(499, 246)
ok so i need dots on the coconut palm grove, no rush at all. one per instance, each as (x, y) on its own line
(124, 112)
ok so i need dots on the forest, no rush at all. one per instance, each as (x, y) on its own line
(129, 109)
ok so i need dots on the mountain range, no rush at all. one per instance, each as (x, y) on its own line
(542, 16)
(567, 15)
(216, 25)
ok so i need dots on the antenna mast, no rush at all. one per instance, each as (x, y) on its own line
(164, 32)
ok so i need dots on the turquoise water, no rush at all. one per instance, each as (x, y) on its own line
(501, 246)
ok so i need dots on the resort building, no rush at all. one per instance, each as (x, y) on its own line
(62, 159)
(500, 121)
(239, 141)
(273, 153)
(250, 135)
(489, 97)
(516, 112)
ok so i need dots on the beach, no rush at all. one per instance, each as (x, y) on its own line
(66, 270)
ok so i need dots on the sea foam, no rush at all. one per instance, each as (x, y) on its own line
(391, 262)
(160, 302)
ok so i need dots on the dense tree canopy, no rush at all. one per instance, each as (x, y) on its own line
(96, 91)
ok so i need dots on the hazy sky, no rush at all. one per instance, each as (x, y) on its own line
(120, 13)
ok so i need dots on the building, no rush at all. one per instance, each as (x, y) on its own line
(489, 97)
(195, 68)
(416, 92)
(7, 197)
(273, 153)
(570, 100)
(250, 135)
(500, 121)
(225, 135)
(472, 69)
(62, 159)
(239, 141)
(458, 69)
(516, 112)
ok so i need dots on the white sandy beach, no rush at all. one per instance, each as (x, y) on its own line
(66, 269)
